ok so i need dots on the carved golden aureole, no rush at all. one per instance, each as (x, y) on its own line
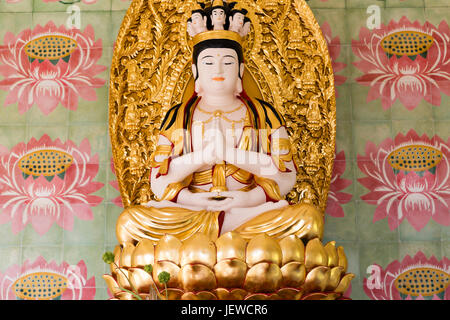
(290, 68)
(285, 66)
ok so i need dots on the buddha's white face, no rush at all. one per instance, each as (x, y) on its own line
(218, 17)
(218, 72)
(237, 20)
(197, 19)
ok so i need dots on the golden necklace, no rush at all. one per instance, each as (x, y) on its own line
(221, 114)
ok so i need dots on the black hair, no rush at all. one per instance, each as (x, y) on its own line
(217, 43)
(203, 13)
(233, 11)
(202, 10)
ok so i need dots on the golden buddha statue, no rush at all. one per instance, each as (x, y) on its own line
(219, 156)
(223, 160)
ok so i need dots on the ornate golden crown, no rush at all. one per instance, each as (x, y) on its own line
(218, 4)
(220, 34)
(217, 34)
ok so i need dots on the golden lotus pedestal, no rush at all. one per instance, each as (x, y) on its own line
(230, 268)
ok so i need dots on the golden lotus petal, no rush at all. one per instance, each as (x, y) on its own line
(198, 249)
(169, 267)
(342, 258)
(144, 254)
(263, 277)
(263, 248)
(292, 249)
(172, 293)
(315, 296)
(127, 252)
(230, 294)
(332, 296)
(315, 254)
(140, 279)
(117, 252)
(330, 249)
(197, 277)
(231, 245)
(293, 274)
(317, 279)
(263, 296)
(230, 273)
(123, 295)
(112, 284)
(290, 293)
(345, 282)
(203, 295)
(122, 278)
(168, 249)
(335, 278)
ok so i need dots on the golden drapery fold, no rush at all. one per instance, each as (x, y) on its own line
(302, 220)
(141, 222)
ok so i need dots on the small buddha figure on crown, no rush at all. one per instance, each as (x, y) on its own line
(197, 22)
(238, 21)
(218, 15)
(223, 160)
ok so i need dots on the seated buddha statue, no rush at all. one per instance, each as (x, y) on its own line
(223, 160)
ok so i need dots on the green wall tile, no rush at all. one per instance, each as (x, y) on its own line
(358, 121)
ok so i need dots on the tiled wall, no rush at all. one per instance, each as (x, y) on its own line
(392, 218)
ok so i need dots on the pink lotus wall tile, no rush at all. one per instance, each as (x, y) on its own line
(88, 232)
(334, 48)
(412, 278)
(408, 177)
(42, 280)
(61, 5)
(370, 231)
(44, 65)
(42, 180)
(336, 196)
(115, 184)
(400, 60)
(16, 6)
(98, 136)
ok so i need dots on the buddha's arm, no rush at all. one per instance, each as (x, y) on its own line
(263, 165)
(179, 167)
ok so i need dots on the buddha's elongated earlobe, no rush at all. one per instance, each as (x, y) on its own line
(194, 71)
(196, 83)
(197, 88)
(239, 87)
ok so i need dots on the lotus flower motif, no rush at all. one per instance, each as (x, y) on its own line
(42, 280)
(413, 278)
(232, 268)
(408, 177)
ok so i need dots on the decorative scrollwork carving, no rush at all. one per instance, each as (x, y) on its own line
(287, 65)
